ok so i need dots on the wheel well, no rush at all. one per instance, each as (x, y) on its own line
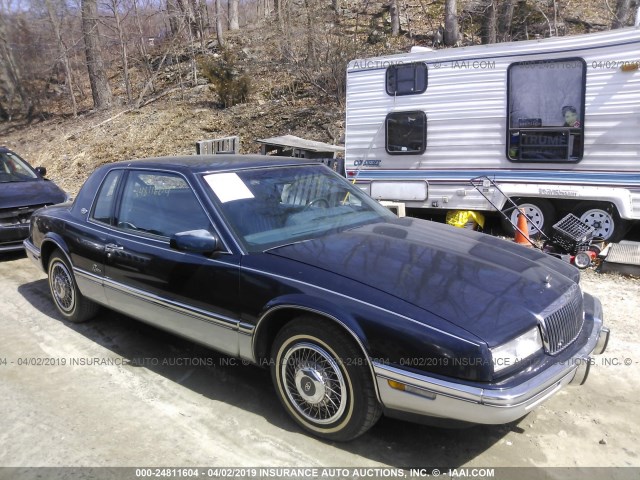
(269, 327)
(46, 251)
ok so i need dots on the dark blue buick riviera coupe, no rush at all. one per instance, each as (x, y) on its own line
(356, 312)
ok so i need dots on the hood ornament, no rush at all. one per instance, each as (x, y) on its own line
(547, 281)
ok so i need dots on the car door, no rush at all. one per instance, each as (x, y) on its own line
(192, 294)
(86, 240)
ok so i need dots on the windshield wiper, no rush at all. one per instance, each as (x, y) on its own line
(289, 244)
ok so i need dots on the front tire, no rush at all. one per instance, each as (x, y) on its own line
(65, 293)
(323, 380)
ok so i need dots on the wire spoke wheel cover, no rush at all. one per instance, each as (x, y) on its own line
(323, 379)
(62, 287)
(314, 383)
(67, 297)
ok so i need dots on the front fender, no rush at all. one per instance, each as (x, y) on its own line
(385, 336)
(287, 307)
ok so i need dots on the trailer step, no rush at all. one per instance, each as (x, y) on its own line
(623, 257)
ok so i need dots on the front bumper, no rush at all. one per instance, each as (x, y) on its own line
(11, 237)
(421, 395)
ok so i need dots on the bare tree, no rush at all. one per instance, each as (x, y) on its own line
(506, 19)
(219, 34)
(196, 9)
(175, 18)
(489, 21)
(279, 10)
(311, 36)
(142, 40)
(115, 7)
(10, 77)
(394, 12)
(188, 15)
(205, 24)
(451, 30)
(234, 24)
(102, 97)
(623, 10)
(63, 53)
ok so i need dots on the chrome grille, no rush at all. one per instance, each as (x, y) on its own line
(562, 321)
(17, 216)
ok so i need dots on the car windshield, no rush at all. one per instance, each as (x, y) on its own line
(14, 169)
(275, 206)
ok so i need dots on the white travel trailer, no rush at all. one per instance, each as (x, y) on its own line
(554, 122)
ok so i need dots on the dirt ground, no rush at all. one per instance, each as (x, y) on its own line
(93, 395)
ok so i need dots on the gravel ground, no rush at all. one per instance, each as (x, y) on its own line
(228, 415)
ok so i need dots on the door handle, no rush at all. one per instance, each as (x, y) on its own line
(110, 247)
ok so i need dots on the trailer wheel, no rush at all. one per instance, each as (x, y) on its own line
(541, 215)
(604, 218)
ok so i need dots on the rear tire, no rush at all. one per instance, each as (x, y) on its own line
(541, 215)
(323, 379)
(604, 218)
(65, 293)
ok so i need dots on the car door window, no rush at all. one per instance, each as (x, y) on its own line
(160, 204)
(105, 201)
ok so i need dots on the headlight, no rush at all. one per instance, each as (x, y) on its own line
(510, 353)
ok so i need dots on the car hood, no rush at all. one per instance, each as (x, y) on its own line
(490, 287)
(30, 192)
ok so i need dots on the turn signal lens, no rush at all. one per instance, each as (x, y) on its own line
(409, 389)
(396, 385)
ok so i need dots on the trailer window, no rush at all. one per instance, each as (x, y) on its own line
(546, 111)
(406, 133)
(407, 79)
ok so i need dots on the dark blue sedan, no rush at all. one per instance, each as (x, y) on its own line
(22, 191)
(355, 311)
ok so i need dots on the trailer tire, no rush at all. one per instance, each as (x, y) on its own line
(539, 211)
(604, 218)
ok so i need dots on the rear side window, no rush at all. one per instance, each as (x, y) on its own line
(407, 79)
(406, 133)
(546, 111)
(105, 201)
(159, 204)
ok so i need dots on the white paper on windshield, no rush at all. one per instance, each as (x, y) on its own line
(228, 187)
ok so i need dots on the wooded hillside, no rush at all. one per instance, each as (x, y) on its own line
(92, 81)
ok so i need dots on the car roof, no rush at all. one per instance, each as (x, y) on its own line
(212, 163)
